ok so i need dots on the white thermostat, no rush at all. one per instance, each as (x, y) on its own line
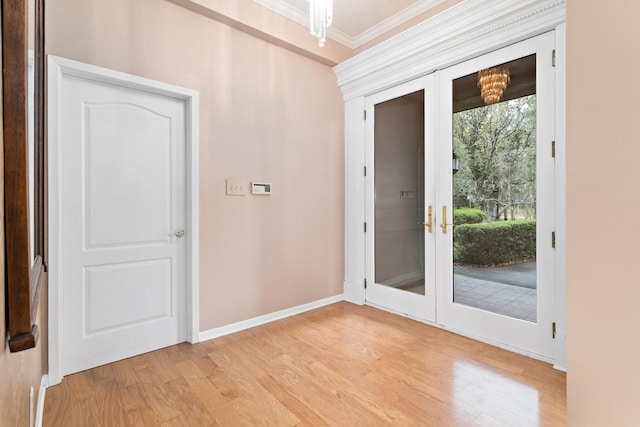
(261, 188)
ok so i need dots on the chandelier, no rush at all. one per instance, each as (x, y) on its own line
(492, 83)
(320, 17)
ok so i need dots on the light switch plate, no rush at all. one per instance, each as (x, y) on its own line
(236, 187)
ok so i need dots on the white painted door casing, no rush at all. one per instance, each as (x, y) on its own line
(123, 175)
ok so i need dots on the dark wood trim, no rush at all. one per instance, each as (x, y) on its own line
(24, 265)
(40, 154)
(24, 342)
(16, 198)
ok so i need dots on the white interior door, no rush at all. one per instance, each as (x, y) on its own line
(400, 154)
(123, 218)
(500, 287)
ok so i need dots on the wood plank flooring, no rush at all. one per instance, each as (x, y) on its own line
(340, 365)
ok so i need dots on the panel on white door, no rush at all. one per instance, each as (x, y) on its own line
(122, 170)
(113, 294)
(123, 163)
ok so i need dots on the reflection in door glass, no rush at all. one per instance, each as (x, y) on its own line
(399, 193)
(494, 189)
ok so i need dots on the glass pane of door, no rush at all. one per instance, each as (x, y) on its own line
(494, 189)
(399, 193)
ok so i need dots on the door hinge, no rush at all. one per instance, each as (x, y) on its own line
(553, 57)
(553, 149)
(365, 283)
(365, 171)
(365, 114)
(365, 227)
(553, 239)
(553, 326)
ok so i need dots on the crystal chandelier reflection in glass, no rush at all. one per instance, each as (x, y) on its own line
(320, 17)
(492, 83)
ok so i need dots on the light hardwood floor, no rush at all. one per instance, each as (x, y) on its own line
(341, 365)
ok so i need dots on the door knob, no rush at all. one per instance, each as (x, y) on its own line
(178, 233)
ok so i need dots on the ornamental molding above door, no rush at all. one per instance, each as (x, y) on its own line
(467, 30)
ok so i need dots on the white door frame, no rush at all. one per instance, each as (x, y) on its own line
(57, 68)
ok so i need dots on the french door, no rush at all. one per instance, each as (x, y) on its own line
(400, 183)
(460, 190)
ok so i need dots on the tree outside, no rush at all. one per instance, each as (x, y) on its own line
(496, 145)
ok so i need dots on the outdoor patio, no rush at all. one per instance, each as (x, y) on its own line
(510, 290)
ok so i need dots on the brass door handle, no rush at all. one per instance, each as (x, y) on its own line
(429, 223)
(444, 220)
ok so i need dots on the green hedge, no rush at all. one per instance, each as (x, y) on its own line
(491, 243)
(467, 216)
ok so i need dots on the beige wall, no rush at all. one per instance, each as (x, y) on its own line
(266, 114)
(18, 371)
(603, 201)
(253, 18)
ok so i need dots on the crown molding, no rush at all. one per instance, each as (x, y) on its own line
(302, 18)
(466, 30)
(340, 37)
(286, 10)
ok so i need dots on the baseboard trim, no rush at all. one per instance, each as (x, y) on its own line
(44, 383)
(560, 368)
(561, 352)
(267, 318)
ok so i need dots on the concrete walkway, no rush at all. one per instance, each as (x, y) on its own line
(521, 274)
(510, 291)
